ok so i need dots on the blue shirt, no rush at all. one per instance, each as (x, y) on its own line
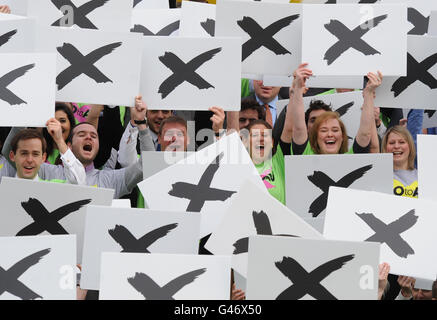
(272, 106)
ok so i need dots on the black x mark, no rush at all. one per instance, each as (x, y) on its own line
(430, 113)
(9, 278)
(416, 72)
(166, 31)
(209, 26)
(47, 221)
(201, 192)
(130, 243)
(419, 21)
(80, 64)
(262, 226)
(344, 109)
(350, 38)
(305, 282)
(136, 2)
(184, 71)
(153, 291)
(323, 182)
(391, 233)
(7, 79)
(7, 36)
(79, 14)
(260, 37)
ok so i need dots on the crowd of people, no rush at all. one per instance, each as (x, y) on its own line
(97, 145)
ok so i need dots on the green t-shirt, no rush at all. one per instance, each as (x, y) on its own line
(52, 158)
(272, 173)
(245, 88)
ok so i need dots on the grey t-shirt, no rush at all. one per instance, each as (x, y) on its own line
(6, 170)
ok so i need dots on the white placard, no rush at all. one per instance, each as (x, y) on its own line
(121, 203)
(151, 4)
(135, 276)
(191, 73)
(17, 35)
(283, 268)
(419, 15)
(270, 34)
(197, 19)
(418, 90)
(427, 175)
(95, 76)
(205, 182)
(41, 267)
(26, 203)
(156, 22)
(404, 227)
(134, 230)
(107, 15)
(378, 43)
(308, 180)
(429, 119)
(27, 89)
(254, 212)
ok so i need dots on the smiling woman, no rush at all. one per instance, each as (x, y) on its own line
(399, 142)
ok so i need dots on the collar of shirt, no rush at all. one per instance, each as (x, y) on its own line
(89, 168)
(34, 179)
(272, 106)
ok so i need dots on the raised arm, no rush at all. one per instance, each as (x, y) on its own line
(367, 120)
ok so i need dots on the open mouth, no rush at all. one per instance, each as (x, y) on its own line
(259, 147)
(398, 153)
(88, 147)
(330, 142)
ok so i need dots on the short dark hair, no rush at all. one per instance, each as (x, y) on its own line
(172, 119)
(70, 137)
(250, 103)
(28, 134)
(316, 105)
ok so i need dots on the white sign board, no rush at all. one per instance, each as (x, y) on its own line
(197, 19)
(17, 35)
(191, 73)
(88, 65)
(27, 89)
(31, 208)
(134, 230)
(41, 267)
(106, 15)
(290, 269)
(156, 22)
(135, 276)
(270, 33)
(418, 89)
(308, 180)
(404, 227)
(427, 175)
(350, 45)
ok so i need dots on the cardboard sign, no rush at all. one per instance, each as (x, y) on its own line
(354, 40)
(27, 89)
(426, 152)
(270, 34)
(136, 276)
(107, 15)
(418, 89)
(283, 268)
(134, 230)
(41, 267)
(188, 73)
(88, 65)
(308, 180)
(398, 223)
(32, 208)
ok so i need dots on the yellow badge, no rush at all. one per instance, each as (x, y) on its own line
(410, 191)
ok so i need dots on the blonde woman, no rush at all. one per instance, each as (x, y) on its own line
(398, 141)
